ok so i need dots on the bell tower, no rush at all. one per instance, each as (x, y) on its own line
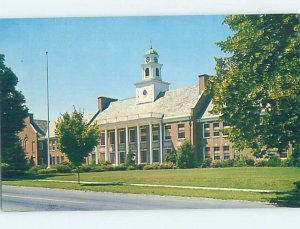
(151, 85)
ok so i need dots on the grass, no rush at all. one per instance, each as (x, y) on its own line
(282, 179)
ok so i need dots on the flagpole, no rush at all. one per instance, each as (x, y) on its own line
(48, 121)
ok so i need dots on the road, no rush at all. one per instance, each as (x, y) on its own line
(43, 199)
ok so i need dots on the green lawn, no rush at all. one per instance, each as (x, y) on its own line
(282, 179)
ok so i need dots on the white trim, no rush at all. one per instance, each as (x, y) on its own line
(116, 147)
(150, 143)
(138, 144)
(33, 128)
(198, 99)
(126, 140)
(161, 142)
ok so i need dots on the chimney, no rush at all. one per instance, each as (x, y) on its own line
(203, 79)
(30, 117)
(103, 102)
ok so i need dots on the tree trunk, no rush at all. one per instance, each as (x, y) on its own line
(78, 177)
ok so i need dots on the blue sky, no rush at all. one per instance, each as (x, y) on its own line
(91, 57)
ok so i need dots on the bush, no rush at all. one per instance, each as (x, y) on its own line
(185, 156)
(106, 167)
(120, 168)
(47, 171)
(68, 164)
(216, 164)
(171, 157)
(7, 171)
(273, 161)
(206, 163)
(227, 163)
(152, 166)
(290, 161)
(131, 167)
(63, 168)
(260, 163)
(130, 160)
(35, 169)
(244, 159)
(84, 169)
(167, 165)
(140, 166)
(106, 163)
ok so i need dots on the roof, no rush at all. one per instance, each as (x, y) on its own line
(169, 104)
(151, 51)
(40, 126)
(208, 112)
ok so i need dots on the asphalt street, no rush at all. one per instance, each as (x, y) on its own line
(43, 199)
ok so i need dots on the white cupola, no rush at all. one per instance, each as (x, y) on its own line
(151, 85)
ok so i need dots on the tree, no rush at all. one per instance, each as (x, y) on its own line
(130, 161)
(13, 112)
(76, 138)
(257, 85)
(185, 155)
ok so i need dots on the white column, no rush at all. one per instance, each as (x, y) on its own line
(116, 146)
(96, 151)
(138, 143)
(106, 148)
(161, 142)
(127, 140)
(150, 143)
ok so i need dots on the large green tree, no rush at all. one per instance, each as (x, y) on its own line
(13, 112)
(76, 138)
(257, 84)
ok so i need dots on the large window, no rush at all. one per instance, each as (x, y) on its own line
(216, 153)
(167, 132)
(132, 135)
(122, 157)
(207, 152)
(155, 133)
(112, 158)
(121, 136)
(181, 131)
(216, 127)
(112, 137)
(143, 134)
(102, 138)
(155, 155)
(206, 130)
(226, 152)
(143, 156)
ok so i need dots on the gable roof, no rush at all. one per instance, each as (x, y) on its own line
(169, 104)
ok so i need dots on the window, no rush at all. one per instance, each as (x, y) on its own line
(216, 153)
(112, 158)
(206, 130)
(181, 131)
(62, 158)
(53, 160)
(216, 129)
(131, 135)
(41, 145)
(167, 132)
(155, 155)
(225, 129)
(143, 134)
(226, 152)
(58, 159)
(157, 72)
(112, 137)
(155, 133)
(167, 151)
(122, 157)
(207, 152)
(102, 138)
(155, 59)
(283, 155)
(121, 136)
(143, 156)
(147, 72)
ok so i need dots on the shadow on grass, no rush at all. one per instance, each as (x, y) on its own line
(289, 198)
(104, 184)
